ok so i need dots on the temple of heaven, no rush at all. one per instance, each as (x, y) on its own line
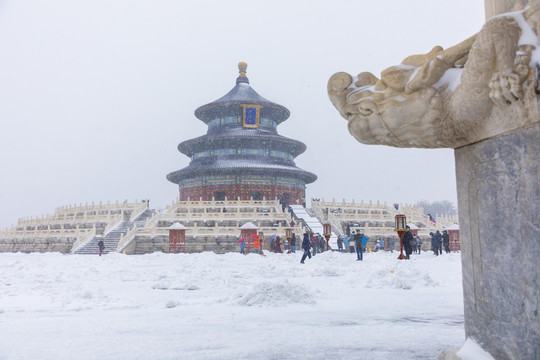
(242, 156)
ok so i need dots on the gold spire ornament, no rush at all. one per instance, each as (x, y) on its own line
(242, 67)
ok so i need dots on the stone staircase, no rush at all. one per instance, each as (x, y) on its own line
(140, 220)
(313, 222)
(112, 238)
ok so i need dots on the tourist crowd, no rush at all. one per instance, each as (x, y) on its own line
(356, 242)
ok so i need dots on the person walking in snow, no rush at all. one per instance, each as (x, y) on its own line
(418, 244)
(437, 240)
(377, 245)
(358, 244)
(242, 243)
(446, 241)
(340, 243)
(322, 243)
(293, 243)
(101, 246)
(346, 243)
(314, 245)
(407, 242)
(414, 247)
(277, 244)
(391, 241)
(306, 244)
(272, 245)
(351, 242)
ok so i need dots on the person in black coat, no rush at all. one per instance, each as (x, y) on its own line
(407, 242)
(446, 241)
(358, 243)
(340, 243)
(306, 244)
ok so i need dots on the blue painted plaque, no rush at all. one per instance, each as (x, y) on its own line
(251, 116)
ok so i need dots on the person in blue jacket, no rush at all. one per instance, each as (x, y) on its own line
(293, 243)
(364, 242)
(306, 244)
(242, 246)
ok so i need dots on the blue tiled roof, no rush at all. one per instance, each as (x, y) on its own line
(188, 147)
(242, 93)
(220, 165)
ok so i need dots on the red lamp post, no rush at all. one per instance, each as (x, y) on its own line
(401, 227)
(288, 235)
(327, 230)
(261, 241)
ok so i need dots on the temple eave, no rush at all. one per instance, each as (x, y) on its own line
(192, 146)
(177, 176)
(208, 112)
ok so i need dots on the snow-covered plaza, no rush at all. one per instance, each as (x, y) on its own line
(208, 306)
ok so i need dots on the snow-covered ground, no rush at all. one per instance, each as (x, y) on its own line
(207, 306)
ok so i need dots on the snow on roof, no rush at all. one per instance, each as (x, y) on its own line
(177, 226)
(248, 225)
(453, 227)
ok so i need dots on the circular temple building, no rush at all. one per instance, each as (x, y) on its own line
(242, 155)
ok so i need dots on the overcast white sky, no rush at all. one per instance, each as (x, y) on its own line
(96, 95)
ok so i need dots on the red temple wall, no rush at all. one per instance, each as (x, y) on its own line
(232, 192)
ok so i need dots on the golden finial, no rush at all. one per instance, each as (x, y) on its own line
(242, 67)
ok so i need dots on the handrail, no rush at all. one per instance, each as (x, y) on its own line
(114, 221)
(336, 224)
(225, 203)
(126, 239)
(137, 210)
(153, 220)
(82, 240)
(92, 207)
(413, 213)
(87, 212)
(42, 232)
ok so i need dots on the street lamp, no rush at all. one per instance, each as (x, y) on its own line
(401, 227)
(327, 230)
(288, 235)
